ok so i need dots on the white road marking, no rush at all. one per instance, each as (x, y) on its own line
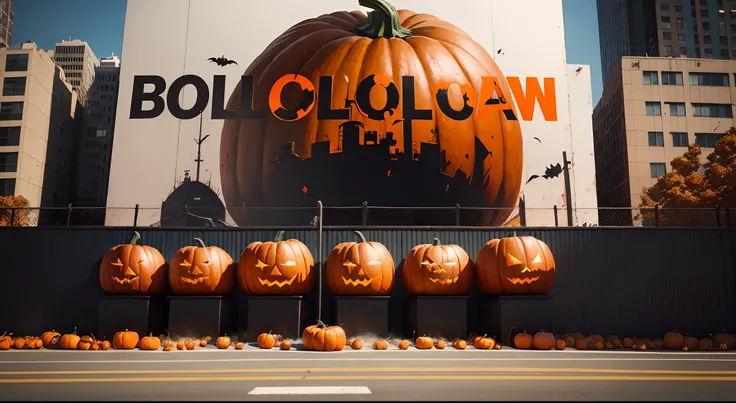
(311, 390)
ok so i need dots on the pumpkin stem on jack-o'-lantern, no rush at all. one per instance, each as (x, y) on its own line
(436, 242)
(383, 21)
(279, 236)
(136, 238)
(200, 242)
(360, 235)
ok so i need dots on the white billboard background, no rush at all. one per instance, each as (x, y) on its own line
(171, 38)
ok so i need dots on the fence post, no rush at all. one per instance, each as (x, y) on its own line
(718, 216)
(69, 215)
(522, 212)
(364, 219)
(135, 216)
(557, 223)
(656, 215)
(457, 215)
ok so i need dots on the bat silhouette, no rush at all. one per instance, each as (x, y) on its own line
(552, 172)
(499, 51)
(222, 61)
(537, 138)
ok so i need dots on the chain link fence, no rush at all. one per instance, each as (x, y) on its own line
(367, 215)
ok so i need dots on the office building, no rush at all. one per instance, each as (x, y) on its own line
(96, 143)
(666, 28)
(37, 110)
(651, 110)
(79, 62)
(7, 15)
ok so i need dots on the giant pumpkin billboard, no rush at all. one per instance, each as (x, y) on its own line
(391, 102)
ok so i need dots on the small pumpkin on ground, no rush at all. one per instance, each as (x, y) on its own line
(460, 344)
(523, 341)
(50, 339)
(724, 341)
(440, 345)
(497, 346)
(404, 345)
(581, 344)
(181, 345)
(674, 340)
(125, 340)
(150, 343)
(321, 337)
(86, 342)
(357, 344)
(70, 341)
(705, 344)
(285, 344)
(628, 342)
(266, 340)
(424, 343)
(484, 343)
(169, 347)
(691, 343)
(6, 340)
(380, 345)
(191, 344)
(560, 344)
(19, 343)
(239, 345)
(543, 341)
(223, 342)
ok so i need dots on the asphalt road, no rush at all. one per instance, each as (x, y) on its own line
(252, 374)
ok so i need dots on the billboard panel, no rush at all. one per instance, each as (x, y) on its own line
(230, 104)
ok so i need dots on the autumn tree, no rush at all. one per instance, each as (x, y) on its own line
(14, 211)
(688, 193)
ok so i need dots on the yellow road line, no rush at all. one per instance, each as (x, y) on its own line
(378, 377)
(375, 369)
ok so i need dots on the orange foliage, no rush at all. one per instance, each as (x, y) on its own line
(12, 208)
(691, 185)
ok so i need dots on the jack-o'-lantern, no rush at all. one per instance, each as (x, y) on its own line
(353, 45)
(437, 270)
(364, 268)
(276, 268)
(198, 270)
(133, 269)
(516, 265)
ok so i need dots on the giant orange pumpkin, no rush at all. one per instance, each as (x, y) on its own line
(350, 47)
(133, 269)
(276, 268)
(364, 268)
(437, 270)
(197, 270)
(516, 265)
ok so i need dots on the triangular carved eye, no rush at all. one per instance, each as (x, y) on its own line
(537, 259)
(511, 260)
(185, 264)
(117, 263)
(427, 263)
(261, 265)
(350, 266)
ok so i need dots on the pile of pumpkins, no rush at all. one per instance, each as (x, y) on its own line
(129, 340)
(672, 340)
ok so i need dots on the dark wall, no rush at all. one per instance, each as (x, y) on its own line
(635, 281)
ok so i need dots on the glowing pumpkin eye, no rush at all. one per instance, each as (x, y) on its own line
(511, 260)
(289, 263)
(185, 264)
(373, 262)
(450, 263)
(261, 265)
(426, 263)
(537, 259)
(350, 266)
(118, 263)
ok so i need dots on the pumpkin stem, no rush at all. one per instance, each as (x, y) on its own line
(360, 234)
(514, 234)
(200, 242)
(279, 236)
(383, 21)
(136, 238)
(75, 330)
(93, 336)
(320, 323)
(436, 242)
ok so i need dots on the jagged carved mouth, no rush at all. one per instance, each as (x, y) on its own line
(444, 281)
(195, 280)
(276, 283)
(357, 282)
(125, 280)
(527, 280)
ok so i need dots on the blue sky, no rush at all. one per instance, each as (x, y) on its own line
(100, 23)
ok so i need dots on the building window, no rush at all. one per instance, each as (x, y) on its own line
(667, 36)
(654, 109)
(7, 187)
(681, 37)
(678, 9)
(668, 52)
(14, 87)
(657, 169)
(8, 162)
(671, 78)
(664, 7)
(656, 139)
(18, 62)
(679, 139)
(707, 140)
(666, 23)
(712, 111)
(651, 78)
(677, 109)
(11, 111)
(724, 53)
(9, 136)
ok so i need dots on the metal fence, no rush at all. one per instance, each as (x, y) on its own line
(367, 215)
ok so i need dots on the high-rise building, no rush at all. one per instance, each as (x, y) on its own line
(651, 110)
(37, 112)
(666, 28)
(96, 142)
(79, 62)
(7, 15)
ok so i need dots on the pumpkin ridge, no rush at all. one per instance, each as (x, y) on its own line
(298, 254)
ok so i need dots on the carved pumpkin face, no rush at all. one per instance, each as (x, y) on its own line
(517, 265)
(276, 268)
(364, 268)
(133, 269)
(197, 270)
(437, 270)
